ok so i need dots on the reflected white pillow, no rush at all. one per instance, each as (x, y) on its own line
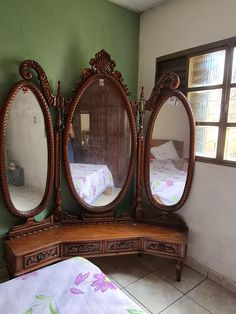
(165, 151)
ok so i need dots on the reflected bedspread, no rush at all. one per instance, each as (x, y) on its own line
(91, 181)
(166, 181)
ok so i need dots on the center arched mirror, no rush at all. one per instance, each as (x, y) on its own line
(169, 152)
(99, 143)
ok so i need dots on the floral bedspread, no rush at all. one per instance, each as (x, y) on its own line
(167, 182)
(73, 286)
(91, 181)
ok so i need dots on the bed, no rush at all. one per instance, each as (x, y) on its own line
(168, 171)
(72, 286)
(91, 181)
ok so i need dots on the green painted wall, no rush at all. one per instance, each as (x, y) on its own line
(62, 36)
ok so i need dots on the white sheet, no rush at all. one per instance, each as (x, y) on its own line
(91, 181)
(73, 286)
(166, 181)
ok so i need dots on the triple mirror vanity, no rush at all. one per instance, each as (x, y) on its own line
(97, 137)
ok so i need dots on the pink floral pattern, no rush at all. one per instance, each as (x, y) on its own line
(103, 283)
(90, 181)
(78, 280)
(26, 276)
(167, 182)
(71, 286)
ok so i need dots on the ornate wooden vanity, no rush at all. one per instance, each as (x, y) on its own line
(98, 137)
(41, 249)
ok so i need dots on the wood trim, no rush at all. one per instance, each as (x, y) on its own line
(157, 107)
(195, 50)
(26, 74)
(226, 163)
(35, 251)
(50, 146)
(100, 71)
(228, 45)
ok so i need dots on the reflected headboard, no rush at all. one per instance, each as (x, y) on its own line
(179, 145)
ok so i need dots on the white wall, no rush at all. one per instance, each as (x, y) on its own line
(210, 211)
(26, 139)
(172, 124)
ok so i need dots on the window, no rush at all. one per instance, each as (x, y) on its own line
(208, 75)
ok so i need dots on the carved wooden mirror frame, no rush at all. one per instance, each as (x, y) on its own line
(169, 83)
(102, 67)
(50, 148)
(45, 99)
(128, 234)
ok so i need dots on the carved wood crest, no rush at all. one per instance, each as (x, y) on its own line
(168, 80)
(104, 65)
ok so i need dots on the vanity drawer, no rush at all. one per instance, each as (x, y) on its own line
(127, 245)
(161, 247)
(82, 248)
(48, 254)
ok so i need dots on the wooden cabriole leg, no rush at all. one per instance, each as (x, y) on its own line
(179, 267)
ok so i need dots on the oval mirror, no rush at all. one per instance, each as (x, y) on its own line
(27, 153)
(170, 152)
(99, 143)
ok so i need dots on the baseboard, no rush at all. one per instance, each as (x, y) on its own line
(211, 274)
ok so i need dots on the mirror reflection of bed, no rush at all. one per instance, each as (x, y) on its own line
(100, 141)
(169, 153)
(26, 155)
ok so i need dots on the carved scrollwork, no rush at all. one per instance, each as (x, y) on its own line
(101, 64)
(156, 246)
(81, 248)
(168, 80)
(123, 245)
(26, 74)
(40, 256)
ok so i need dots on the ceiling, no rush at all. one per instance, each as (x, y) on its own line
(138, 6)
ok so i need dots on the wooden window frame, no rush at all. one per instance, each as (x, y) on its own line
(228, 45)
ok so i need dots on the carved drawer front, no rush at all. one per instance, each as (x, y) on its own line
(123, 245)
(41, 256)
(82, 248)
(161, 247)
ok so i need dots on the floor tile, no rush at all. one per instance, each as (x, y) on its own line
(190, 278)
(124, 269)
(185, 306)
(114, 281)
(102, 260)
(154, 293)
(151, 262)
(21, 203)
(136, 301)
(214, 298)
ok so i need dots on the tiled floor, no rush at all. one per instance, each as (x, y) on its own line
(25, 198)
(150, 282)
